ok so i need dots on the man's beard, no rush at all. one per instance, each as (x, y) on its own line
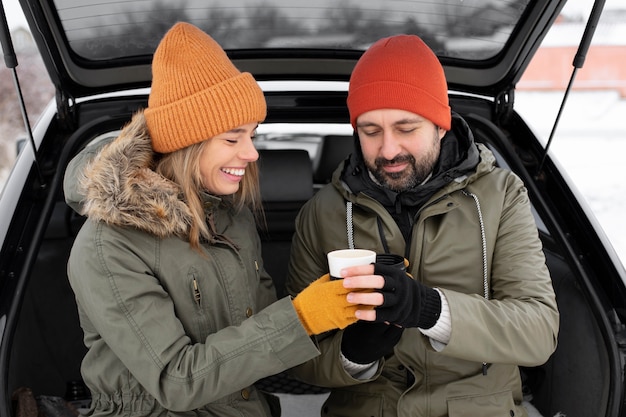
(413, 175)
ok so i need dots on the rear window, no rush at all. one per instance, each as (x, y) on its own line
(464, 29)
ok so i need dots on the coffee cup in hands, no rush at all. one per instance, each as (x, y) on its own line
(343, 258)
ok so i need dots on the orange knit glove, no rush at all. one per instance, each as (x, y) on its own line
(322, 306)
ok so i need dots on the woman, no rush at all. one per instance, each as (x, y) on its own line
(178, 313)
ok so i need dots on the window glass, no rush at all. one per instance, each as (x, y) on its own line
(468, 29)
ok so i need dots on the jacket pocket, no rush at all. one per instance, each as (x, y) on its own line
(490, 405)
(346, 403)
(200, 304)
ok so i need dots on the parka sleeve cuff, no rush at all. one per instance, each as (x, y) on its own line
(288, 339)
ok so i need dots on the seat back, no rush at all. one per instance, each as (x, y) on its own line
(286, 179)
(334, 149)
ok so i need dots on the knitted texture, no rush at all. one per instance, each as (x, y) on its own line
(406, 302)
(400, 72)
(197, 92)
(322, 306)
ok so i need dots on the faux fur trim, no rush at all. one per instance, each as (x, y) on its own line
(121, 189)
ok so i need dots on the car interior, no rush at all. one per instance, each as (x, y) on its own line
(48, 345)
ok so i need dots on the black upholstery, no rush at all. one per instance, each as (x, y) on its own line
(286, 178)
(285, 175)
(334, 149)
(574, 381)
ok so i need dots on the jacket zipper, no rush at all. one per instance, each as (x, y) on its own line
(196, 292)
(350, 231)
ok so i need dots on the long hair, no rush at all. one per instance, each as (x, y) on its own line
(183, 168)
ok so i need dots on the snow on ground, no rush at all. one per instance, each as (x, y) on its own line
(590, 144)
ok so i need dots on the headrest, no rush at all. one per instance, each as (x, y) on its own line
(334, 149)
(285, 175)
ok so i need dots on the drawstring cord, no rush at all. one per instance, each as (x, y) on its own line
(483, 242)
(484, 247)
(349, 225)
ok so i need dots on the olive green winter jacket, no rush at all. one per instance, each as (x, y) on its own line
(516, 325)
(171, 331)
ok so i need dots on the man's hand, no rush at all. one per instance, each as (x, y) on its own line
(365, 342)
(399, 299)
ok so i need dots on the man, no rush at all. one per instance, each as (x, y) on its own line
(478, 303)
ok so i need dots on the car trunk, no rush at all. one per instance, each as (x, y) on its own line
(42, 344)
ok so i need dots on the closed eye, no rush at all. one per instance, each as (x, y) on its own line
(371, 133)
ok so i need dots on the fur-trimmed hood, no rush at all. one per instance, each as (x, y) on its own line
(121, 189)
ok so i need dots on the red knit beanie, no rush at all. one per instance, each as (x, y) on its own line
(400, 72)
(197, 92)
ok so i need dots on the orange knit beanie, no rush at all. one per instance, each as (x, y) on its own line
(197, 92)
(400, 72)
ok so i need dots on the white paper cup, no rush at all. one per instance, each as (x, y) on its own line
(343, 258)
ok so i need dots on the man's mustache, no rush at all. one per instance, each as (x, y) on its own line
(396, 160)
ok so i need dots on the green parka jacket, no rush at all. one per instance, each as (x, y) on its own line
(171, 331)
(503, 309)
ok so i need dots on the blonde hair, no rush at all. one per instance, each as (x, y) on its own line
(183, 168)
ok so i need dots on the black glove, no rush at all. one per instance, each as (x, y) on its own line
(365, 342)
(406, 302)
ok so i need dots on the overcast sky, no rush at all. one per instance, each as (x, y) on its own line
(14, 14)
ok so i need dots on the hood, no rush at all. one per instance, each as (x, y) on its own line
(121, 189)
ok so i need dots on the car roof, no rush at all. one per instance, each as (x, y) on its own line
(97, 46)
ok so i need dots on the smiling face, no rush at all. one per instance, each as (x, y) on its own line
(224, 159)
(400, 148)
